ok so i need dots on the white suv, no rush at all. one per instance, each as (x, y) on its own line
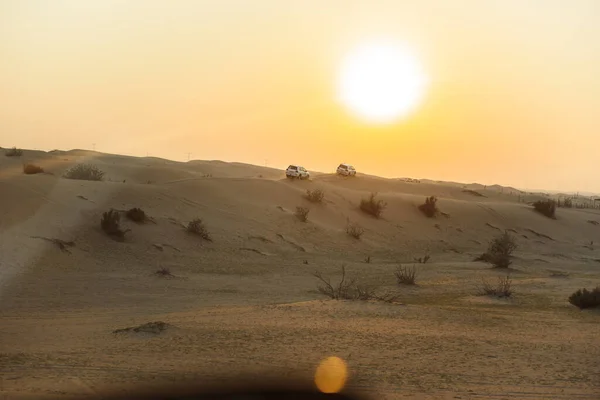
(346, 170)
(296, 171)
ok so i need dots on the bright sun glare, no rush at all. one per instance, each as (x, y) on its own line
(381, 82)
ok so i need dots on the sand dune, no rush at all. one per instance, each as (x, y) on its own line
(246, 302)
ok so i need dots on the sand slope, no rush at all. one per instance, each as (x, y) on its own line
(247, 301)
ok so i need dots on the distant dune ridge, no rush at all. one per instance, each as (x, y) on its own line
(249, 293)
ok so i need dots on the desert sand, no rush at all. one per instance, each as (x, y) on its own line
(247, 303)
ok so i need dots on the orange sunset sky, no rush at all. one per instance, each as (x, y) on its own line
(513, 93)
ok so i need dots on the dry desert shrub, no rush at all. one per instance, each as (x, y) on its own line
(546, 207)
(351, 290)
(85, 172)
(373, 206)
(111, 224)
(499, 251)
(136, 215)
(30, 169)
(406, 275)
(302, 213)
(429, 208)
(315, 196)
(14, 152)
(197, 227)
(354, 230)
(423, 260)
(342, 291)
(584, 298)
(502, 288)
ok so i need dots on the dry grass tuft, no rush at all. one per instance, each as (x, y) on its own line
(350, 290)
(197, 227)
(372, 206)
(406, 275)
(499, 251)
(111, 225)
(502, 288)
(315, 196)
(354, 230)
(302, 213)
(429, 208)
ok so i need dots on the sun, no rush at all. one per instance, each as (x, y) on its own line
(381, 82)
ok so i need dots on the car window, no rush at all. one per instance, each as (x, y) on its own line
(293, 167)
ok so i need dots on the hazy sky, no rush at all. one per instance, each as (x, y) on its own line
(514, 92)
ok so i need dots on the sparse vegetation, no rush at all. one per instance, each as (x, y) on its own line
(546, 207)
(429, 208)
(499, 251)
(473, 192)
(111, 224)
(136, 214)
(315, 196)
(30, 169)
(423, 260)
(565, 203)
(14, 152)
(197, 227)
(164, 272)
(342, 291)
(302, 213)
(86, 172)
(502, 288)
(584, 298)
(406, 275)
(354, 230)
(149, 327)
(368, 259)
(373, 206)
(350, 290)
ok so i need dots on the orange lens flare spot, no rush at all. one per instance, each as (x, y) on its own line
(331, 375)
